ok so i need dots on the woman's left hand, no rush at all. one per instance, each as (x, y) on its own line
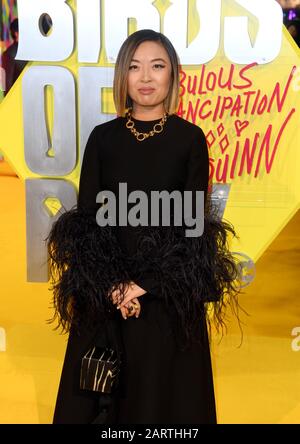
(133, 308)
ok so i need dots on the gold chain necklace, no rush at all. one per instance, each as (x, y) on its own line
(158, 127)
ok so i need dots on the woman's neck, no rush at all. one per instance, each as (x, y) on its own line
(144, 114)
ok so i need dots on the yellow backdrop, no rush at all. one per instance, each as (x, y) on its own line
(264, 368)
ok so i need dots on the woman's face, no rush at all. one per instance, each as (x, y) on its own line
(149, 76)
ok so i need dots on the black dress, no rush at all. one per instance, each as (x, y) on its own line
(162, 383)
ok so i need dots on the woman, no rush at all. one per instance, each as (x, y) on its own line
(155, 281)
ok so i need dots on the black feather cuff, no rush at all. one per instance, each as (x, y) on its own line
(192, 271)
(86, 265)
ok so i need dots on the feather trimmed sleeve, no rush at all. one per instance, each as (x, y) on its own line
(86, 261)
(186, 271)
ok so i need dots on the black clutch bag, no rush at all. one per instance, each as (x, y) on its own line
(101, 364)
(100, 368)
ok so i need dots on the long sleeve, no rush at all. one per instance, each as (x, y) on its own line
(90, 182)
(86, 261)
(189, 271)
(198, 168)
